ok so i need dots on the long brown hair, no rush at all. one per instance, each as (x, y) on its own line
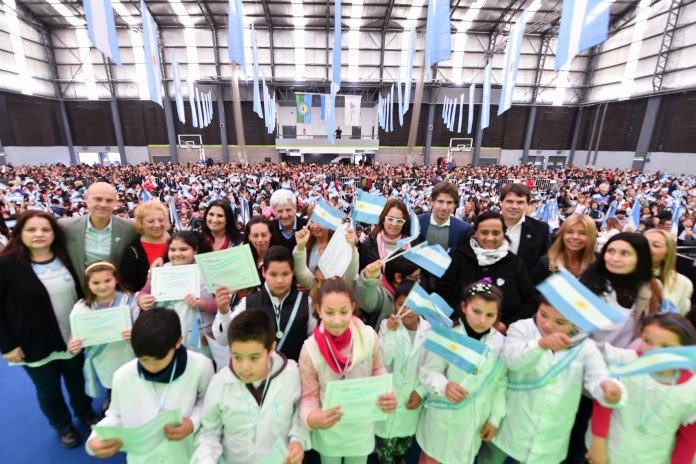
(17, 250)
(557, 252)
(394, 203)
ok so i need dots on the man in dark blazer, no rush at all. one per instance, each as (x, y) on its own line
(439, 226)
(99, 234)
(529, 237)
(283, 228)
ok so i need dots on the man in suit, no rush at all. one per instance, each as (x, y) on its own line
(529, 237)
(439, 226)
(284, 206)
(99, 234)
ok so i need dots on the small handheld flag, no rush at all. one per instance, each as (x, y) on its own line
(578, 304)
(657, 360)
(456, 348)
(433, 258)
(414, 232)
(326, 215)
(368, 207)
(419, 302)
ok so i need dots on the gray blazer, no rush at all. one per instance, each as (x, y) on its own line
(122, 234)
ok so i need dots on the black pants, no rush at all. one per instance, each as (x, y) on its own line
(48, 390)
(576, 447)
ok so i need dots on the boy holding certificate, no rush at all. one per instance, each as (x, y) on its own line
(164, 377)
(252, 404)
(278, 297)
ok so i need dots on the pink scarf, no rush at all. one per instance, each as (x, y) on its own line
(325, 340)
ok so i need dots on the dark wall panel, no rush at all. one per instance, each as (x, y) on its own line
(91, 123)
(622, 125)
(33, 121)
(493, 135)
(514, 124)
(132, 122)
(553, 129)
(6, 133)
(585, 137)
(675, 129)
(255, 127)
(154, 123)
(441, 135)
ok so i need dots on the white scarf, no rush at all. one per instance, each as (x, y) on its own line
(489, 257)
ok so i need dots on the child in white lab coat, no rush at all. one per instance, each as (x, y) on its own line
(546, 374)
(254, 403)
(658, 423)
(341, 347)
(402, 336)
(103, 289)
(164, 377)
(465, 408)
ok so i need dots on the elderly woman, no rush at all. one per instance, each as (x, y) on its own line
(284, 205)
(487, 254)
(38, 289)
(676, 288)
(152, 225)
(573, 249)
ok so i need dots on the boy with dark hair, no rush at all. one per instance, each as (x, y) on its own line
(164, 376)
(253, 403)
(279, 298)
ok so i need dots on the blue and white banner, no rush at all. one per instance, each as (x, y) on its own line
(179, 98)
(409, 69)
(101, 28)
(635, 213)
(456, 348)
(192, 103)
(438, 40)
(578, 304)
(255, 83)
(657, 360)
(419, 302)
(235, 33)
(470, 122)
(432, 258)
(323, 114)
(326, 215)
(368, 207)
(486, 99)
(152, 60)
(512, 61)
(461, 112)
(584, 24)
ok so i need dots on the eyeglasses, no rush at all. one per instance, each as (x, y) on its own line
(393, 220)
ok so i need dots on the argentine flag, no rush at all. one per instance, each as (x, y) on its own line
(326, 215)
(578, 304)
(635, 213)
(368, 207)
(584, 24)
(101, 28)
(512, 61)
(657, 360)
(152, 61)
(423, 304)
(414, 233)
(433, 258)
(456, 348)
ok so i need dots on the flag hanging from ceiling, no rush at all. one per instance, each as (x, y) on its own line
(152, 61)
(584, 24)
(303, 103)
(255, 56)
(192, 103)
(101, 28)
(199, 108)
(400, 97)
(323, 115)
(438, 42)
(461, 112)
(336, 63)
(409, 69)
(512, 61)
(391, 109)
(177, 91)
(235, 33)
(470, 122)
(352, 110)
(486, 100)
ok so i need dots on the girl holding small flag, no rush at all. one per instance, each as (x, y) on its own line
(195, 314)
(402, 337)
(341, 347)
(465, 408)
(103, 289)
(659, 422)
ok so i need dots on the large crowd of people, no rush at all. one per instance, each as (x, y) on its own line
(248, 369)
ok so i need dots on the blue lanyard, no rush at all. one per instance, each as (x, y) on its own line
(443, 404)
(549, 376)
(282, 334)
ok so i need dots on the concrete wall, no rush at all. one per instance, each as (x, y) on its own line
(61, 154)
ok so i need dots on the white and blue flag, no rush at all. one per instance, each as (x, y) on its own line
(235, 33)
(101, 28)
(584, 24)
(456, 348)
(512, 61)
(470, 122)
(179, 98)
(419, 302)
(368, 207)
(438, 42)
(635, 213)
(433, 258)
(326, 215)
(657, 360)
(414, 233)
(578, 304)
(486, 99)
(152, 60)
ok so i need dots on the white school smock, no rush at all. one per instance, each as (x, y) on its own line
(235, 429)
(404, 359)
(538, 422)
(453, 436)
(134, 401)
(344, 438)
(116, 354)
(667, 408)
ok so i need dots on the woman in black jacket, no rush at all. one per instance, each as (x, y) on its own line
(394, 224)
(487, 254)
(38, 289)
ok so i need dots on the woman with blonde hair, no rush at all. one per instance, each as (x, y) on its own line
(152, 225)
(676, 288)
(573, 249)
(611, 228)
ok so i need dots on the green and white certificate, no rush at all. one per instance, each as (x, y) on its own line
(234, 268)
(358, 397)
(100, 326)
